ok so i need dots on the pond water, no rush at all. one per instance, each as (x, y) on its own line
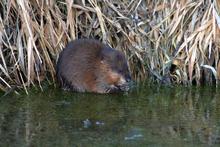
(146, 116)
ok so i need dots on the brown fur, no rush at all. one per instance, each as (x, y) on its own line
(87, 65)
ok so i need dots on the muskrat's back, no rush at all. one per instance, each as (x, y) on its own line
(87, 65)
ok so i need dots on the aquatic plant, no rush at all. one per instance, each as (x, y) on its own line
(164, 40)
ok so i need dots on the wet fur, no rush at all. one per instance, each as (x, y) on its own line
(86, 65)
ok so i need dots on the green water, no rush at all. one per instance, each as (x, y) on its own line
(146, 116)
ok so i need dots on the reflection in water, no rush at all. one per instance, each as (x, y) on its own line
(149, 115)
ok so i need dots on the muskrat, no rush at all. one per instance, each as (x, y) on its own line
(87, 65)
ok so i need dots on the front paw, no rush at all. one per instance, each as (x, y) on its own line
(113, 89)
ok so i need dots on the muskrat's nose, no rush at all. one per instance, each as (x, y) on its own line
(128, 78)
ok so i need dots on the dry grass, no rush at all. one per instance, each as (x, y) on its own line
(164, 40)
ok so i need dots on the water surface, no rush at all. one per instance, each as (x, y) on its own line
(146, 116)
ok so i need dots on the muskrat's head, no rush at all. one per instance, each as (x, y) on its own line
(118, 72)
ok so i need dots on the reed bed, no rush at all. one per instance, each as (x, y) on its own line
(168, 41)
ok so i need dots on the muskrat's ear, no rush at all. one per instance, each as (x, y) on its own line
(104, 55)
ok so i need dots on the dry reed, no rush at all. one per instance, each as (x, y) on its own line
(174, 41)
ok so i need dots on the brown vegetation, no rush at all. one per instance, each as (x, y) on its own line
(165, 40)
